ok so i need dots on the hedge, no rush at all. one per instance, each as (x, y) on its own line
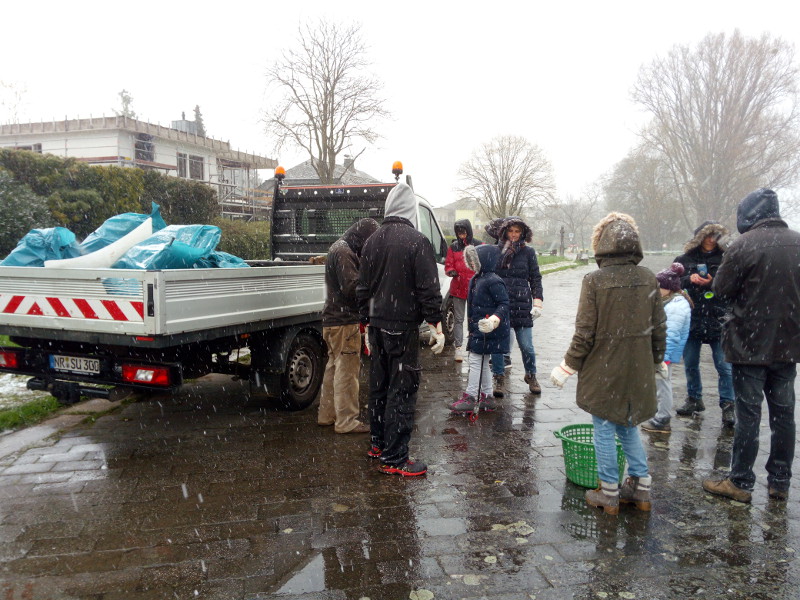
(249, 241)
(20, 211)
(81, 196)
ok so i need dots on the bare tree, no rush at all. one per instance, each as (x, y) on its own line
(642, 185)
(12, 100)
(327, 100)
(725, 119)
(507, 175)
(578, 215)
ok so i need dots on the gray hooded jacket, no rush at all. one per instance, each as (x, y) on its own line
(398, 281)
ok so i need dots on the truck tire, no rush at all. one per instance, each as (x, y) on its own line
(302, 377)
(448, 326)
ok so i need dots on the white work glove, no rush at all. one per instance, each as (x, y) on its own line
(437, 338)
(536, 311)
(488, 324)
(560, 374)
(365, 331)
(662, 370)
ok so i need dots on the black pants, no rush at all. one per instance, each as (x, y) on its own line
(393, 384)
(751, 383)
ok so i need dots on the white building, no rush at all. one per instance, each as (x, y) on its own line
(176, 150)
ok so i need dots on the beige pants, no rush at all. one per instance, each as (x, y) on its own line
(338, 403)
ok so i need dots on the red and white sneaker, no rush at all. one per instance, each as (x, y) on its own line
(409, 468)
(374, 452)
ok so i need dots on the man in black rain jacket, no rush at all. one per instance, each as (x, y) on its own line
(398, 288)
(760, 276)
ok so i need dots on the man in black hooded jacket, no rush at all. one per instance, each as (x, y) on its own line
(760, 276)
(398, 288)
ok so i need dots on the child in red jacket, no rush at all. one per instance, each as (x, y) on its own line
(456, 268)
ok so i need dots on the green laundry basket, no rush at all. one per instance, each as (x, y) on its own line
(580, 463)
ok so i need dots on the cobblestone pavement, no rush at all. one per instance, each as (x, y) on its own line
(213, 495)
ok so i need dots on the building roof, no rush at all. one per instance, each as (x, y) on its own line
(221, 149)
(304, 174)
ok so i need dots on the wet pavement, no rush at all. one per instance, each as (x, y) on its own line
(212, 495)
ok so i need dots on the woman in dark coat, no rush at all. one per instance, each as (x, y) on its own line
(488, 326)
(519, 268)
(707, 247)
(619, 343)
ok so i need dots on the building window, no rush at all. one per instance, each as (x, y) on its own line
(182, 171)
(196, 167)
(32, 148)
(145, 148)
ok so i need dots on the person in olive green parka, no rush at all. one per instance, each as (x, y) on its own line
(618, 345)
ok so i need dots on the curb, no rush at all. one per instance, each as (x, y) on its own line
(67, 418)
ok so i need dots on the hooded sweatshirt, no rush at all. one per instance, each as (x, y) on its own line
(620, 328)
(487, 296)
(398, 282)
(709, 309)
(341, 274)
(401, 203)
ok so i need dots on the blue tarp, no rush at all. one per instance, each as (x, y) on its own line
(174, 247)
(39, 245)
(170, 246)
(119, 226)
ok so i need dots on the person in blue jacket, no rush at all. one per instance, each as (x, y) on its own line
(678, 308)
(488, 326)
(519, 268)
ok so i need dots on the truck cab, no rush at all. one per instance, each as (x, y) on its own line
(308, 219)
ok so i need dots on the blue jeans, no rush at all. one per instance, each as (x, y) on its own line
(524, 337)
(691, 360)
(605, 449)
(753, 383)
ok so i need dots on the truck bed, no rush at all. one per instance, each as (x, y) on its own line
(39, 302)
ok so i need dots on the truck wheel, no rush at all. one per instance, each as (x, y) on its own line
(449, 324)
(302, 378)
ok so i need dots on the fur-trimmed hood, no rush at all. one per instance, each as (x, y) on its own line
(705, 229)
(492, 228)
(616, 235)
(483, 258)
(527, 233)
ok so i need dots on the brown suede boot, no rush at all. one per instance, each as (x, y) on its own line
(533, 384)
(728, 489)
(606, 497)
(636, 491)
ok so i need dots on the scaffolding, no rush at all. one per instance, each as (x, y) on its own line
(238, 192)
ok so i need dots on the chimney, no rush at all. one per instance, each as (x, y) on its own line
(348, 162)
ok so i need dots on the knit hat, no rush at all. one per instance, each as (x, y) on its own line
(670, 278)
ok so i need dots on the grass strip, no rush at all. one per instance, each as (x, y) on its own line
(29, 413)
(5, 341)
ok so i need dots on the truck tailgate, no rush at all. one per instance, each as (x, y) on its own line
(153, 303)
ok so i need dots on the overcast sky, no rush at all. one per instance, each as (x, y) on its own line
(557, 73)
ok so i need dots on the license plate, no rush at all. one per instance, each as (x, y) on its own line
(75, 364)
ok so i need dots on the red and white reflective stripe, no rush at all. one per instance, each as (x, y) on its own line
(78, 308)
